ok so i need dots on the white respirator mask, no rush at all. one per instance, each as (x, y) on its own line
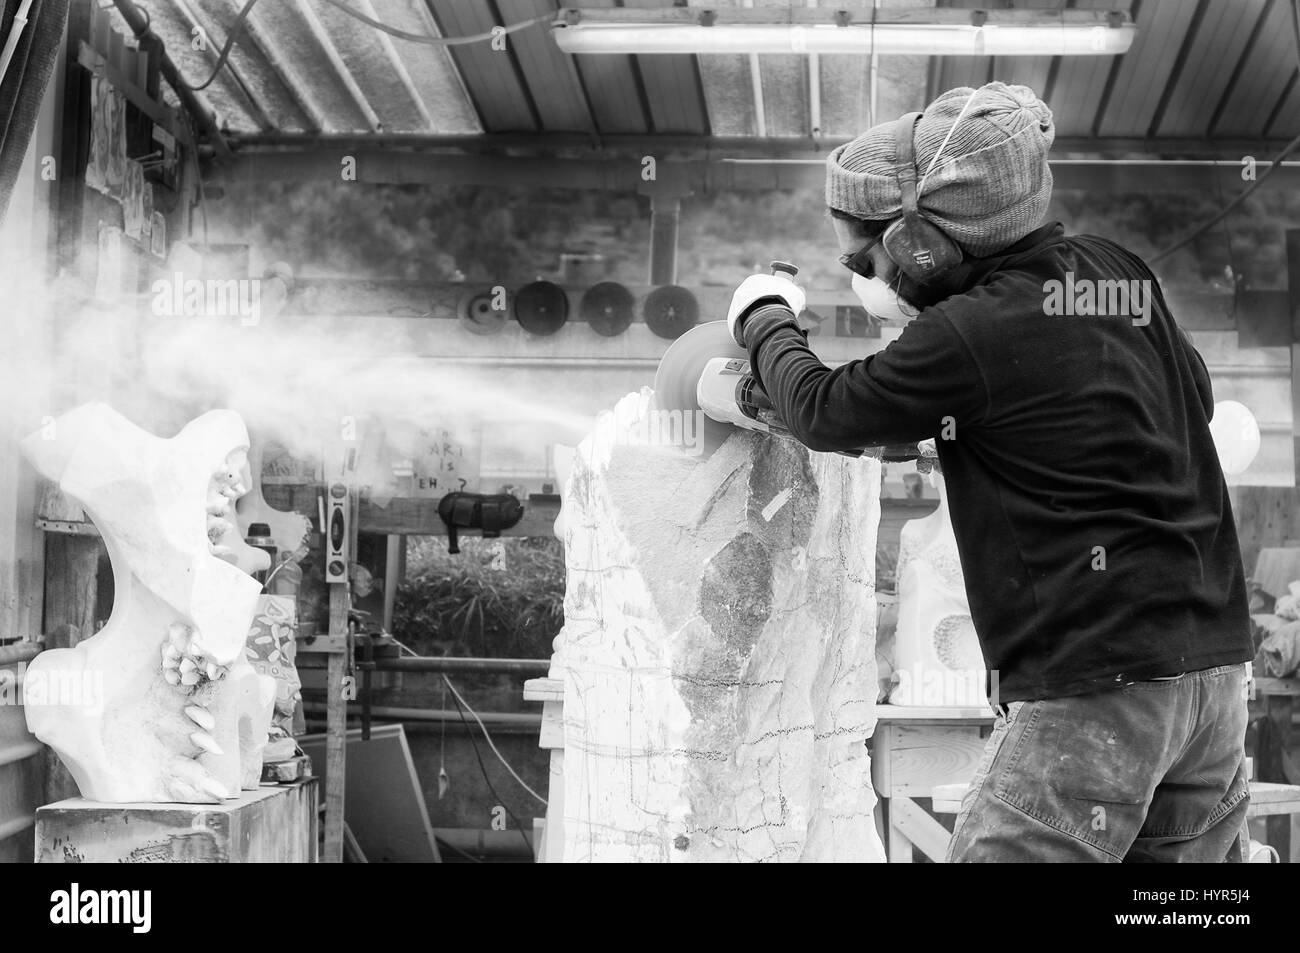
(882, 301)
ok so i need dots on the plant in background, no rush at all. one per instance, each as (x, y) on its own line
(495, 599)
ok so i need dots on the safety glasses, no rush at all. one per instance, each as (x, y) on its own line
(859, 262)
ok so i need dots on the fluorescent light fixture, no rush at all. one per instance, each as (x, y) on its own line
(942, 32)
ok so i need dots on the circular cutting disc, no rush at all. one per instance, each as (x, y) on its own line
(541, 307)
(670, 311)
(679, 373)
(477, 314)
(607, 307)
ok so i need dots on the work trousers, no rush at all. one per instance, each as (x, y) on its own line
(1150, 771)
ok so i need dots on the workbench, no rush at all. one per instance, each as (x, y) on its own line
(1275, 699)
(913, 750)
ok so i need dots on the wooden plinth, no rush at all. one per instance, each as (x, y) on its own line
(274, 824)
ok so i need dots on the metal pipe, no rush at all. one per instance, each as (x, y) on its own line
(26, 749)
(16, 825)
(195, 104)
(439, 663)
(11, 42)
(503, 719)
(665, 213)
(526, 666)
(487, 843)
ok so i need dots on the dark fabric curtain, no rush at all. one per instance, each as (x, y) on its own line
(23, 86)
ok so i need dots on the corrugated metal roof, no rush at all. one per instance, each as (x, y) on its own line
(1198, 72)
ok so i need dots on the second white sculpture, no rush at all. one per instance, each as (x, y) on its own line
(149, 709)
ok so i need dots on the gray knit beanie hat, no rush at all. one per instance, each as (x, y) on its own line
(990, 186)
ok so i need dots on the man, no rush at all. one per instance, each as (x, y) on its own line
(1089, 507)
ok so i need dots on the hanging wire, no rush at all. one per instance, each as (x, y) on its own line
(483, 768)
(1277, 164)
(461, 701)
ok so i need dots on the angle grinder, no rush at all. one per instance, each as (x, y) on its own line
(706, 373)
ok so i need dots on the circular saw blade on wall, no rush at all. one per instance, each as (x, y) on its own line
(541, 307)
(670, 311)
(477, 314)
(608, 308)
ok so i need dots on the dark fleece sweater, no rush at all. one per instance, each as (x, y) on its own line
(1090, 511)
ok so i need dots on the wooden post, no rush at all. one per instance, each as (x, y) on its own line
(1293, 290)
(71, 591)
(336, 711)
(336, 724)
(665, 213)
(394, 571)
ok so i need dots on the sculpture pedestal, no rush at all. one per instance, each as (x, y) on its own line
(274, 824)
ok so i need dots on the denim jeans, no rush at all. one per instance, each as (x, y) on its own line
(1150, 771)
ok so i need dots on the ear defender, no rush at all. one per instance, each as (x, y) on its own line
(918, 247)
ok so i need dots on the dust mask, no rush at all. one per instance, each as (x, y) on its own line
(882, 300)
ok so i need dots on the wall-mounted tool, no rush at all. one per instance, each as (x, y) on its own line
(336, 533)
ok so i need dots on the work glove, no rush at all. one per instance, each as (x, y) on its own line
(758, 290)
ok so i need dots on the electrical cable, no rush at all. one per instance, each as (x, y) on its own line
(235, 29)
(439, 40)
(1277, 164)
(1223, 212)
(238, 26)
(461, 701)
(483, 768)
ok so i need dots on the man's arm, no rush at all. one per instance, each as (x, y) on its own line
(903, 394)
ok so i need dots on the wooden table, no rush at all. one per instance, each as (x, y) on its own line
(1276, 698)
(913, 750)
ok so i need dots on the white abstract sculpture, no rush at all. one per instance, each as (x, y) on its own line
(937, 659)
(162, 722)
(717, 650)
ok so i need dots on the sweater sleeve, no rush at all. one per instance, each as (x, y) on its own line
(1204, 387)
(907, 392)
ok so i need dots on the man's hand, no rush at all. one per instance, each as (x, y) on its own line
(757, 289)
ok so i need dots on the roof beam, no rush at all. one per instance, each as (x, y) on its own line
(399, 67)
(283, 69)
(322, 38)
(191, 17)
(701, 175)
(714, 147)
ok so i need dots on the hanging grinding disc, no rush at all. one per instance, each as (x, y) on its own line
(477, 314)
(607, 307)
(670, 311)
(541, 307)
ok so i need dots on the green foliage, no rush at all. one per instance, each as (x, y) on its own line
(495, 599)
